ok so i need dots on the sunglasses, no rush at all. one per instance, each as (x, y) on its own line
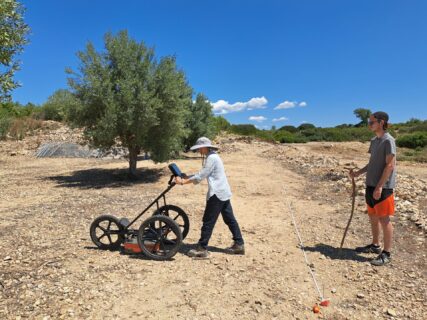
(372, 122)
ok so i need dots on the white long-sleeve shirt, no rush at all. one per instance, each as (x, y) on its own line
(213, 170)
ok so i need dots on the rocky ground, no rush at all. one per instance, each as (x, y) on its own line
(53, 139)
(49, 268)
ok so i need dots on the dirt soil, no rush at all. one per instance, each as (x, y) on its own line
(50, 269)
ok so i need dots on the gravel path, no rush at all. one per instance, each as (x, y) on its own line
(49, 269)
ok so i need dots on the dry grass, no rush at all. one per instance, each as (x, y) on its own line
(21, 127)
(415, 155)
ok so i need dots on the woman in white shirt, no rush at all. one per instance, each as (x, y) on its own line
(218, 199)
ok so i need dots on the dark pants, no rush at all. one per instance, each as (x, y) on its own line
(214, 207)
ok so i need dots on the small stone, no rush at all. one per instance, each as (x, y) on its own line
(333, 290)
(8, 258)
(360, 295)
(391, 312)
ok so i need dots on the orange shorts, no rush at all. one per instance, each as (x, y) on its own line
(382, 207)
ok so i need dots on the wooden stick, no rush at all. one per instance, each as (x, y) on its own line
(352, 210)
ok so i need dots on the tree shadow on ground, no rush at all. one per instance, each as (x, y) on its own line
(105, 178)
(337, 253)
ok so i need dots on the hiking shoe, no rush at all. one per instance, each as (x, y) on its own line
(198, 252)
(370, 248)
(236, 249)
(381, 260)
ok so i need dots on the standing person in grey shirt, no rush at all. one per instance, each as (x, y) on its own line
(217, 199)
(380, 182)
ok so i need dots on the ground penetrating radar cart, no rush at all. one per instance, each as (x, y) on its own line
(159, 237)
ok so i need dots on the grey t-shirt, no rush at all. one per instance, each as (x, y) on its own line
(379, 149)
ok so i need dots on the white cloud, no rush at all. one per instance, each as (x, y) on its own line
(257, 103)
(280, 119)
(285, 105)
(290, 104)
(223, 107)
(257, 118)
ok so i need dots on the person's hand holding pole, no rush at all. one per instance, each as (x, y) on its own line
(181, 181)
(353, 174)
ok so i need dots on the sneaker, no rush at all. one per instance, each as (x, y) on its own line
(198, 252)
(236, 249)
(370, 248)
(381, 260)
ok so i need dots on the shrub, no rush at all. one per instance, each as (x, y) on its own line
(313, 134)
(51, 112)
(413, 140)
(4, 127)
(266, 135)
(290, 129)
(419, 127)
(306, 126)
(244, 129)
(19, 127)
(220, 124)
(284, 136)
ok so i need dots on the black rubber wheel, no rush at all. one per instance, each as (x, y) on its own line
(106, 232)
(159, 237)
(178, 215)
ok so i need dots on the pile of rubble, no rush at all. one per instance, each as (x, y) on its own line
(410, 194)
(228, 142)
(54, 139)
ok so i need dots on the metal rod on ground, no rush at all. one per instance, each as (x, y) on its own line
(353, 183)
(301, 244)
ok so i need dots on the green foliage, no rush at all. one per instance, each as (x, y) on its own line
(413, 140)
(344, 125)
(172, 97)
(414, 121)
(126, 93)
(8, 110)
(305, 126)
(413, 125)
(305, 132)
(221, 124)
(244, 129)
(5, 123)
(200, 122)
(15, 110)
(58, 106)
(338, 134)
(363, 115)
(418, 155)
(284, 136)
(291, 129)
(266, 135)
(13, 32)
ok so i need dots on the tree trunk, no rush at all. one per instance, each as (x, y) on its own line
(133, 158)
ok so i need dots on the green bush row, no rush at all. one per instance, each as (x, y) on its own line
(413, 140)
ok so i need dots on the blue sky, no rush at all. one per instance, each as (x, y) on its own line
(262, 62)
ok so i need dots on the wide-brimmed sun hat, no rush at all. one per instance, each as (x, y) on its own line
(203, 142)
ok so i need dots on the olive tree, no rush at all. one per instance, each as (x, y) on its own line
(13, 33)
(363, 114)
(127, 94)
(201, 122)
